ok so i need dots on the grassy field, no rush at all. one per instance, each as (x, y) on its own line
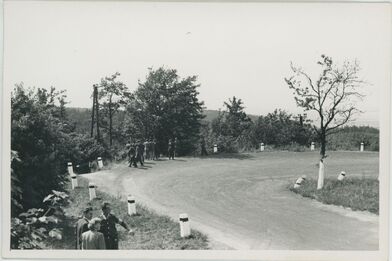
(152, 231)
(355, 193)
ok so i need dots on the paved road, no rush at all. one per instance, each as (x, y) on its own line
(243, 202)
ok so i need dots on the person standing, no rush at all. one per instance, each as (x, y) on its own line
(170, 149)
(93, 239)
(132, 156)
(154, 149)
(146, 150)
(82, 226)
(108, 227)
(203, 147)
(139, 153)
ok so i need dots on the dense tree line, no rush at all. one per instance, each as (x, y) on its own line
(232, 130)
(42, 142)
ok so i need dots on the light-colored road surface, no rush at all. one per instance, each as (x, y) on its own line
(243, 202)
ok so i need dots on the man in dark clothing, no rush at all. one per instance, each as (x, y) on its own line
(108, 227)
(132, 156)
(139, 153)
(203, 147)
(82, 226)
(171, 149)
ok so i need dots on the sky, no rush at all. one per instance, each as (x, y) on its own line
(235, 49)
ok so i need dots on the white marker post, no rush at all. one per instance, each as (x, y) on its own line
(91, 191)
(131, 205)
(185, 227)
(215, 148)
(100, 163)
(362, 147)
(261, 146)
(299, 181)
(70, 168)
(312, 146)
(341, 176)
(74, 181)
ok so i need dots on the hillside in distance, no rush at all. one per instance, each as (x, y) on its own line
(82, 118)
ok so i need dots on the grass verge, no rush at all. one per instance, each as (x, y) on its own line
(152, 231)
(355, 193)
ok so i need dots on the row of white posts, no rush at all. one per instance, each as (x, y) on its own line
(361, 148)
(312, 147)
(185, 228)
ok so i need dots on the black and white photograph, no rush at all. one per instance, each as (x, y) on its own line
(238, 130)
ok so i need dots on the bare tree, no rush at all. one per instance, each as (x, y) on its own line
(333, 96)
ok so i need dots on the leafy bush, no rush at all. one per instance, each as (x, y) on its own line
(43, 141)
(31, 228)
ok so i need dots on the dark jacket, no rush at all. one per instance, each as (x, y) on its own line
(109, 231)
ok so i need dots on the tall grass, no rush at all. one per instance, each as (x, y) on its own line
(355, 193)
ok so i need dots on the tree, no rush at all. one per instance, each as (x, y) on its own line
(114, 95)
(166, 107)
(236, 119)
(332, 95)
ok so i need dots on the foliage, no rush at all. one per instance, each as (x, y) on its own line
(350, 138)
(233, 131)
(31, 228)
(165, 107)
(113, 96)
(43, 141)
(281, 128)
(40, 135)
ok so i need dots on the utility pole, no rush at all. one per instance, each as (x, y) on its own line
(94, 112)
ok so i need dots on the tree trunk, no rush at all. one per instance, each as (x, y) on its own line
(320, 182)
(321, 176)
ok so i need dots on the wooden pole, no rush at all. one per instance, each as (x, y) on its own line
(97, 110)
(92, 113)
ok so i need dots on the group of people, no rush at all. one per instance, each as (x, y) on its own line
(139, 151)
(99, 232)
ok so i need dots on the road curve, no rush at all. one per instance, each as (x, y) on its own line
(243, 202)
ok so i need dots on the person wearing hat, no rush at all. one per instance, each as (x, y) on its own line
(108, 227)
(82, 226)
(93, 239)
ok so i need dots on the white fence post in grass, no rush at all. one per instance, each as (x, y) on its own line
(261, 146)
(70, 168)
(312, 146)
(100, 163)
(185, 227)
(91, 191)
(341, 176)
(362, 147)
(74, 181)
(299, 181)
(131, 205)
(215, 148)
